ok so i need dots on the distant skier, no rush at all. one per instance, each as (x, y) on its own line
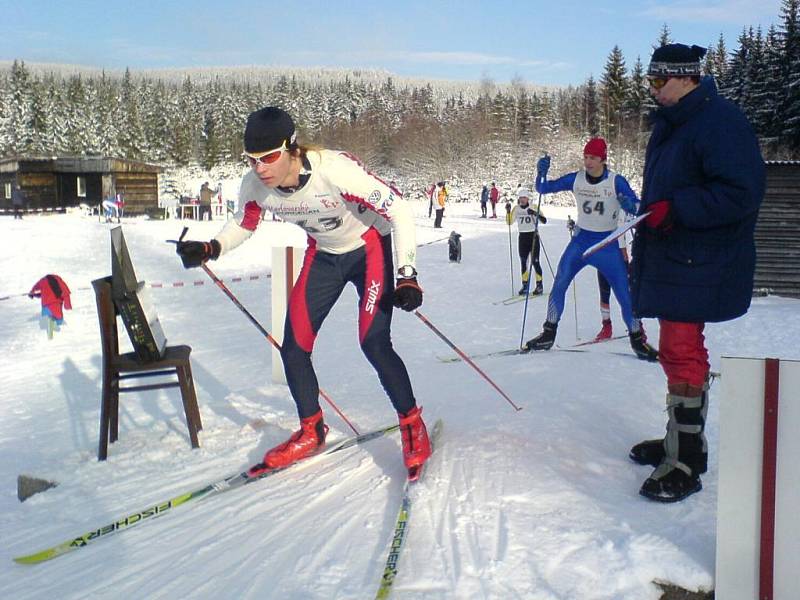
(55, 296)
(351, 218)
(528, 244)
(599, 195)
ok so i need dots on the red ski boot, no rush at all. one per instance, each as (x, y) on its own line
(301, 444)
(605, 332)
(416, 445)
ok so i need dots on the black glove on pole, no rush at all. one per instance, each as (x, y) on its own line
(194, 254)
(407, 294)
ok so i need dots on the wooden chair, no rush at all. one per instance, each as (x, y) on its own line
(118, 366)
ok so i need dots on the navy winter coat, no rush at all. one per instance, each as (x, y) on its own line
(704, 157)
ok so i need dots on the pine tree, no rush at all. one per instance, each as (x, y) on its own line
(638, 102)
(790, 79)
(737, 88)
(132, 140)
(664, 37)
(757, 106)
(591, 123)
(773, 94)
(78, 111)
(18, 133)
(613, 94)
(717, 66)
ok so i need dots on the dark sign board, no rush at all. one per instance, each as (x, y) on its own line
(133, 303)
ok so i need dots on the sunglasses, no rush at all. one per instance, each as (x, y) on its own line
(658, 82)
(265, 158)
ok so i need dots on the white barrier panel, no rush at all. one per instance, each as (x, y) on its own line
(286, 264)
(758, 528)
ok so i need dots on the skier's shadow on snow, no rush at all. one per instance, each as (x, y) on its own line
(82, 394)
(149, 402)
(205, 385)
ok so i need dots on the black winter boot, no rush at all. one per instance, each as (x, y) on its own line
(545, 340)
(651, 452)
(643, 350)
(672, 487)
(678, 474)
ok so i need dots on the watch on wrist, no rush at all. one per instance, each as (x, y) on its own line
(406, 272)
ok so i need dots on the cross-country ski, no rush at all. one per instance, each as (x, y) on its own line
(159, 509)
(403, 520)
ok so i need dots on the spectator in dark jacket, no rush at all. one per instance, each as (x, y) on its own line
(205, 201)
(694, 260)
(17, 201)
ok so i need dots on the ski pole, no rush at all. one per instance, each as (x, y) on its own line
(547, 258)
(575, 296)
(269, 337)
(528, 290)
(525, 311)
(466, 358)
(432, 242)
(510, 256)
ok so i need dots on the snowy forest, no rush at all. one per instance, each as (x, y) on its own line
(432, 129)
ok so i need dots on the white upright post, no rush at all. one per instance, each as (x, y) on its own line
(286, 264)
(758, 532)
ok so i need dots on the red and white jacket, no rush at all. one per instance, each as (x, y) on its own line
(340, 201)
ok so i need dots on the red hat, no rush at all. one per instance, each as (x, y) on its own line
(596, 147)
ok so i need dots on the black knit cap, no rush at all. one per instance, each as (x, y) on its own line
(676, 60)
(267, 129)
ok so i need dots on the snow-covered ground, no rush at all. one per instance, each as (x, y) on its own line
(542, 503)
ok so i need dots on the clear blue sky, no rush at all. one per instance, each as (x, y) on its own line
(555, 42)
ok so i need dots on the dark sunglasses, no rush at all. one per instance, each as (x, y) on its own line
(658, 82)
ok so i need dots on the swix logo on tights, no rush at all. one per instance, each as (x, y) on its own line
(372, 296)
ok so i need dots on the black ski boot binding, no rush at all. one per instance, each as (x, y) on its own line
(543, 341)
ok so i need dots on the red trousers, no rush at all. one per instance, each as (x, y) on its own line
(682, 353)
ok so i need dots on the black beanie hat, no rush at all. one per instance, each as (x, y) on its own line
(267, 129)
(676, 60)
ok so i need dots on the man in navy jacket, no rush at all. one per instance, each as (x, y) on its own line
(693, 261)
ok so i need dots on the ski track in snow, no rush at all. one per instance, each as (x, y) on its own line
(537, 504)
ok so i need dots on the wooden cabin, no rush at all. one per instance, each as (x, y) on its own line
(53, 184)
(778, 232)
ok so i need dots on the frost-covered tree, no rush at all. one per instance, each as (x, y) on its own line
(790, 79)
(664, 37)
(613, 93)
(591, 123)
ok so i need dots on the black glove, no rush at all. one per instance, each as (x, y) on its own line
(194, 254)
(542, 218)
(407, 294)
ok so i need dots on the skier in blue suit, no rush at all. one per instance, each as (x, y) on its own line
(599, 194)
